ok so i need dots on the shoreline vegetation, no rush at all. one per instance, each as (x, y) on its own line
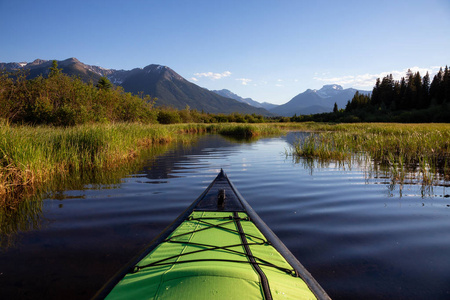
(42, 160)
(417, 151)
(32, 156)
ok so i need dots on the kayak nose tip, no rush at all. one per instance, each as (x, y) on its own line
(221, 198)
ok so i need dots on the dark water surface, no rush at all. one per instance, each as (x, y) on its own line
(357, 236)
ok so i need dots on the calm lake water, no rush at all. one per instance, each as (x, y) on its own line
(359, 236)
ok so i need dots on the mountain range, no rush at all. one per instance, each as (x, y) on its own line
(317, 101)
(249, 101)
(173, 90)
(158, 81)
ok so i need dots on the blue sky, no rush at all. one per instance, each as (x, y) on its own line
(267, 50)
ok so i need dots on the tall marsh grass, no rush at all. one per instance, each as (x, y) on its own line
(422, 148)
(31, 156)
(245, 130)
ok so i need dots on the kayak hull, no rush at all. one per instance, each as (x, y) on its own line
(218, 248)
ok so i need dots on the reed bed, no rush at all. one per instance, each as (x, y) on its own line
(423, 148)
(32, 156)
(245, 130)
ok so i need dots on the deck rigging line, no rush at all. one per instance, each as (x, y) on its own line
(256, 262)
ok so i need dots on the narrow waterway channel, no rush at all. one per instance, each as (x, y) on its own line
(357, 234)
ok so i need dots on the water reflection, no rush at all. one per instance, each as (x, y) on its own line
(171, 164)
(25, 212)
(23, 216)
(160, 162)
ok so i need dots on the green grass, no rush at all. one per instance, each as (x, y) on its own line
(31, 156)
(245, 130)
(422, 148)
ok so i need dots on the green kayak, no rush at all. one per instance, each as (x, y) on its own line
(219, 248)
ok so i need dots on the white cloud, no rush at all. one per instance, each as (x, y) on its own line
(194, 79)
(212, 75)
(244, 81)
(368, 80)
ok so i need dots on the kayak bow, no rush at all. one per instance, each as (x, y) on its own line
(217, 248)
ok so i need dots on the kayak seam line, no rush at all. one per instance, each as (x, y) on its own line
(255, 265)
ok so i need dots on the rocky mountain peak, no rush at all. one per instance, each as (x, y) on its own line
(334, 87)
(37, 62)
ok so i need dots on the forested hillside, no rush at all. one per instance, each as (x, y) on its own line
(62, 100)
(413, 98)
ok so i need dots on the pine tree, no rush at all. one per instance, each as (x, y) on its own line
(446, 85)
(417, 94)
(104, 83)
(387, 90)
(54, 71)
(425, 103)
(402, 96)
(435, 87)
(335, 108)
(410, 90)
(397, 96)
(376, 93)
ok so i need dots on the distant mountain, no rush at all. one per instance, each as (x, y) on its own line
(70, 66)
(249, 101)
(268, 105)
(155, 80)
(172, 89)
(229, 94)
(317, 101)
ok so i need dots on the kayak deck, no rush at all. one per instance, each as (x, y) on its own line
(218, 248)
(186, 265)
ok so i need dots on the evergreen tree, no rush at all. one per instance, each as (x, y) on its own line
(376, 93)
(409, 75)
(397, 96)
(446, 85)
(348, 106)
(410, 90)
(435, 87)
(54, 71)
(425, 91)
(335, 108)
(386, 90)
(402, 96)
(104, 83)
(417, 93)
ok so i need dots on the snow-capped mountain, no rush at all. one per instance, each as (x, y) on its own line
(317, 101)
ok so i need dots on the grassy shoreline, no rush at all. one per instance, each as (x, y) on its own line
(35, 161)
(32, 156)
(404, 148)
